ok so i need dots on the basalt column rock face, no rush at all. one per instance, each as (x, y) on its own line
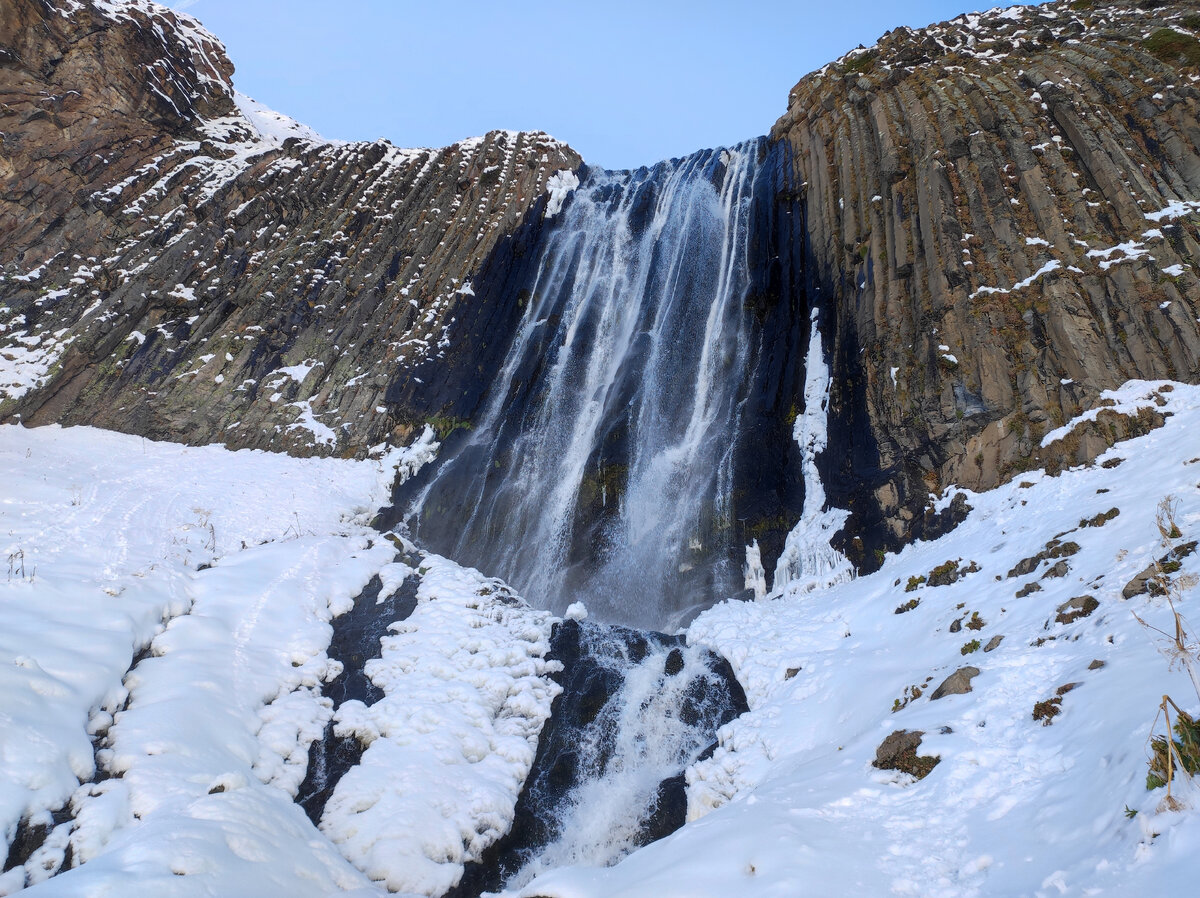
(179, 262)
(1001, 223)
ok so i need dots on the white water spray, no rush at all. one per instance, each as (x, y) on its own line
(652, 728)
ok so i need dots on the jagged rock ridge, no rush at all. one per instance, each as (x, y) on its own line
(173, 264)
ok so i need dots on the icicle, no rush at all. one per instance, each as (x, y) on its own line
(808, 561)
(756, 576)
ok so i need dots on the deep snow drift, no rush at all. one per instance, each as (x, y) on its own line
(203, 742)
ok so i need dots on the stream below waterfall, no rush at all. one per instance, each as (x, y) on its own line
(637, 709)
(634, 451)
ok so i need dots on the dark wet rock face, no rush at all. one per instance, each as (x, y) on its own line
(357, 636)
(31, 837)
(636, 709)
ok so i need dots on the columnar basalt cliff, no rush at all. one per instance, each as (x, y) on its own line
(1001, 222)
(181, 263)
(995, 218)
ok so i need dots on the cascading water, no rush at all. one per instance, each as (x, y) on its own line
(602, 468)
(663, 714)
(637, 438)
(635, 711)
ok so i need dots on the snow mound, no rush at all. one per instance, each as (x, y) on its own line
(466, 694)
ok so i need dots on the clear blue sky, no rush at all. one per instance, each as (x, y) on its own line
(625, 83)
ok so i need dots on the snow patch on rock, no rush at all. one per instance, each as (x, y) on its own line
(560, 186)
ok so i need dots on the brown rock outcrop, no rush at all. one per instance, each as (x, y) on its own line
(1002, 220)
(168, 267)
(957, 683)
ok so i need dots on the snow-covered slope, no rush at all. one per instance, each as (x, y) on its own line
(164, 626)
(790, 803)
(189, 758)
(103, 535)
(274, 127)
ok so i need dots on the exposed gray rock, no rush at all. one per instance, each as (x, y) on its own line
(1152, 578)
(1100, 519)
(899, 752)
(1025, 566)
(1140, 584)
(1057, 549)
(1059, 569)
(898, 742)
(956, 684)
(993, 643)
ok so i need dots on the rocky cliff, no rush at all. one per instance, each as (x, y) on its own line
(178, 262)
(999, 221)
(1002, 221)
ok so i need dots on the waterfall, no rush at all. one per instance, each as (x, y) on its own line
(602, 466)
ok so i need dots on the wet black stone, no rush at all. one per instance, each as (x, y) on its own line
(595, 695)
(674, 663)
(670, 811)
(356, 640)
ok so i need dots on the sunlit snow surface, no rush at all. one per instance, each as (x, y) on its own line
(111, 530)
(101, 535)
(1015, 808)
(274, 127)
